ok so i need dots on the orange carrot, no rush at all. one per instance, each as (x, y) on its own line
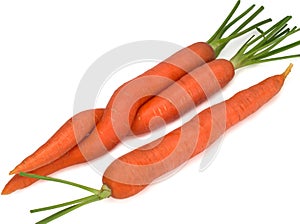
(71, 158)
(193, 88)
(134, 171)
(188, 92)
(65, 138)
(127, 99)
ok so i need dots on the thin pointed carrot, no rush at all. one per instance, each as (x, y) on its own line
(66, 137)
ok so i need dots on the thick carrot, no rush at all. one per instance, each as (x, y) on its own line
(188, 92)
(127, 99)
(193, 88)
(134, 171)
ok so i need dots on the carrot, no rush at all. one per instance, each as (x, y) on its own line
(128, 98)
(223, 72)
(193, 88)
(134, 171)
(188, 92)
(65, 137)
(71, 158)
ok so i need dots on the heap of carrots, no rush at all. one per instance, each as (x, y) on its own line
(191, 75)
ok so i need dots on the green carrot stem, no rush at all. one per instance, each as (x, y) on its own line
(216, 35)
(269, 34)
(94, 191)
(253, 27)
(235, 21)
(254, 15)
(273, 59)
(104, 192)
(218, 42)
(67, 210)
(269, 53)
(63, 204)
(265, 50)
(263, 46)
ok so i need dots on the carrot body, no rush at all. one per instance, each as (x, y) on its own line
(127, 99)
(132, 172)
(64, 139)
(158, 78)
(188, 92)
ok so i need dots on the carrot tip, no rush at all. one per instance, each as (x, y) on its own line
(4, 193)
(14, 171)
(288, 70)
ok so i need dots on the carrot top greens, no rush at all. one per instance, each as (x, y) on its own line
(97, 195)
(218, 42)
(260, 49)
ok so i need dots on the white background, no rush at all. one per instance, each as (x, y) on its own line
(46, 47)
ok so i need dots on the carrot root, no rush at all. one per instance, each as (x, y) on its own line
(288, 71)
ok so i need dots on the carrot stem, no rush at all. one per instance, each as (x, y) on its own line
(104, 192)
(81, 200)
(223, 25)
(264, 45)
(218, 42)
(67, 210)
(31, 175)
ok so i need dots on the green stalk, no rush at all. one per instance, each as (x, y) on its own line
(218, 42)
(93, 190)
(104, 192)
(235, 21)
(268, 35)
(81, 200)
(221, 28)
(67, 210)
(258, 50)
(267, 52)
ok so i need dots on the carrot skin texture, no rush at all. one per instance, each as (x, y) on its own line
(64, 139)
(134, 171)
(188, 92)
(126, 100)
